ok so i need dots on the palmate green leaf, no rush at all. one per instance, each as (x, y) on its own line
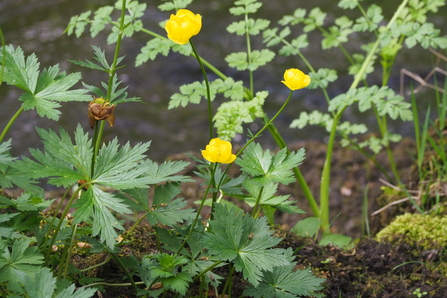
(244, 241)
(12, 175)
(155, 173)
(285, 282)
(5, 156)
(168, 272)
(167, 210)
(19, 71)
(95, 205)
(266, 167)
(42, 284)
(43, 91)
(16, 264)
(119, 167)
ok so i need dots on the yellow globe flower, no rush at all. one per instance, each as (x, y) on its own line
(183, 25)
(218, 151)
(295, 79)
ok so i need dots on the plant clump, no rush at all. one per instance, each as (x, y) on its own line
(428, 231)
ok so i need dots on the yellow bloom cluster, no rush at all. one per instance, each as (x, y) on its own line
(218, 151)
(183, 25)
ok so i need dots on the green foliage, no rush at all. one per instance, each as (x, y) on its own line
(244, 241)
(253, 27)
(245, 7)
(190, 93)
(174, 5)
(43, 90)
(265, 196)
(231, 115)
(242, 61)
(100, 56)
(116, 95)
(265, 167)
(337, 34)
(286, 282)
(42, 284)
(164, 209)
(103, 17)
(307, 227)
(167, 271)
(386, 101)
(322, 78)
(16, 264)
(371, 21)
(65, 163)
(426, 230)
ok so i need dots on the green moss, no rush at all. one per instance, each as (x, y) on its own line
(426, 230)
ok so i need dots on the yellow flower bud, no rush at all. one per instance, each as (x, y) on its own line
(296, 79)
(218, 151)
(183, 25)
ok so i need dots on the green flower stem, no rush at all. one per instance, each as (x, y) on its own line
(69, 251)
(206, 63)
(8, 126)
(198, 211)
(97, 265)
(99, 132)
(228, 283)
(126, 272)
(207, 269)
(61, 220)
(325, 179)
(207, 84)
(113, 285)
(247, 37)
(256, 209)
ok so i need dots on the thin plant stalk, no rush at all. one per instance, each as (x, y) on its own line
(99, 131)
(61, 220)
(325, 179)
(8, 126)
(207, 84)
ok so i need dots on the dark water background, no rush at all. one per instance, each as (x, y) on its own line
(38, 25)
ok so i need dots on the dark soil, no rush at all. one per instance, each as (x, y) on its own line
(368, 269)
